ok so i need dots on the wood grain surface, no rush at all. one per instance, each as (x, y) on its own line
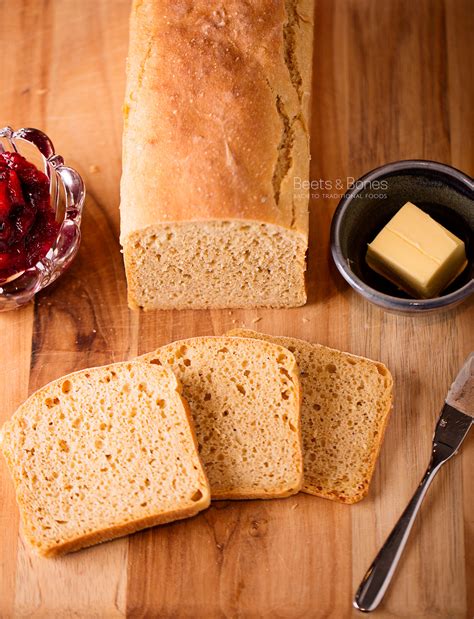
(392, 79)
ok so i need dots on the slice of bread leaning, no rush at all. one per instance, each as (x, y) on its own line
(244, 396)
(345, 408)
(102, 453)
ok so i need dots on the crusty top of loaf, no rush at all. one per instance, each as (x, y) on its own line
(216, 112)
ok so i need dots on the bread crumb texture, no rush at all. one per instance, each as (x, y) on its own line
(345, 407)
(215, 264)
(100, 453)
(244, 397)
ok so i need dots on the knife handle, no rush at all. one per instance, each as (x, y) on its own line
(380, 573)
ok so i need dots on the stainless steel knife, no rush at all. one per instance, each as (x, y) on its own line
(452, 428)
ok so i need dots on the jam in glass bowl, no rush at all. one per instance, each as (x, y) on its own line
(41, 202)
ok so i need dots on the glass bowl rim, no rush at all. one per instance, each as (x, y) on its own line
(48, 268)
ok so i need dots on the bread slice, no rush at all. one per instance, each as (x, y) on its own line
(101, 453)
(244, 396)
(346, 403)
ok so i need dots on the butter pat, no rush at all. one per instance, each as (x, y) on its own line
(416, 253)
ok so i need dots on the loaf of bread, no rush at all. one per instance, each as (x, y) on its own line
(102, 453)
(244, 396)
(345, 408)
(215, 148)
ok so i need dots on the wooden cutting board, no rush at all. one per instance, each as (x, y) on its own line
(392, 80)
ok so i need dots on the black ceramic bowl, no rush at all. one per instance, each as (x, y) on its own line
(443, 192)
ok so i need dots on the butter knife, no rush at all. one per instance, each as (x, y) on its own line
(452, 428)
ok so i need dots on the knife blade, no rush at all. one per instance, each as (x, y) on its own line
(457, 415)
(461, 393)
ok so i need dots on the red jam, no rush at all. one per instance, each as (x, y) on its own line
(28, 227)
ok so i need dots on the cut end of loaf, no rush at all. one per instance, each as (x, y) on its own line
(199, 265)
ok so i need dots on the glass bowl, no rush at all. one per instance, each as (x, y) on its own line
(67, 199)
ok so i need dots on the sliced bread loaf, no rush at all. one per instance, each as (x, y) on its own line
(216, 140)
(244, 396)
(101, 453)
(345, 407)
